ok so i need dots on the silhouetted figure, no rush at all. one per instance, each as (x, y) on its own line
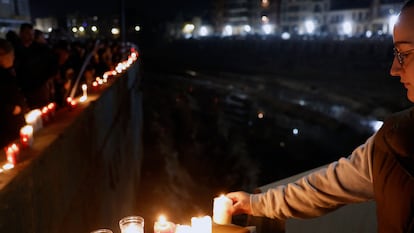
(36, 67)
(66, 73)
(39, 37)
(12, 104)
(13, 38)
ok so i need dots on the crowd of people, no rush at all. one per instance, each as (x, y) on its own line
(35, 72)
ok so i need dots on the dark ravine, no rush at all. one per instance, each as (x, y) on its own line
(196, 144)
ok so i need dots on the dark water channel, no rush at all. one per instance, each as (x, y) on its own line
(207, 134)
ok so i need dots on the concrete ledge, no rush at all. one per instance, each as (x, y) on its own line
(83, 170)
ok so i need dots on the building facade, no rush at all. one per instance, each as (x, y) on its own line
(300, 17)
(12, 14)
(338, 18)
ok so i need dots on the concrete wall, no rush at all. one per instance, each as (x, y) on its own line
(84, 168)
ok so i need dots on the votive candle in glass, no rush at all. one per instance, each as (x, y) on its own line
(132, 224)
(163, 226)
(26, 136)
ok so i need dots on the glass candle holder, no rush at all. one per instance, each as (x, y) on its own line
(132, 224)
(102, 231)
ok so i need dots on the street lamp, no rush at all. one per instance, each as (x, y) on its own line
(310, 26)
(347, 28)
(228, 30)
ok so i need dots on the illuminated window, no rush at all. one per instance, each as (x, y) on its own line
(265, 19)
(265, 3)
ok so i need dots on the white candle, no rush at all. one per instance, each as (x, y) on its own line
(222, 210)
(26, 136)
(12, 153)
(34, 118)
(201, 224)
(183, 229)
(84, 96)
(163, 226)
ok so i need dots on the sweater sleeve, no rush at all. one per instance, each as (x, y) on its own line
(348, 180)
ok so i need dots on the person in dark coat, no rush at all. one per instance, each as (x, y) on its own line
(36, 67)
(12, 101)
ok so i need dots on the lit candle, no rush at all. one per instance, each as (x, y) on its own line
(163, 226)
(12, 153)
(52, 109)
(95, 85)
(84, 96)
(222, 210)
(45, 115)
(106, 74)
(84, 89)
(71, 102)
(26, 136)
(34, 118)
(132, 224)
(201, 224)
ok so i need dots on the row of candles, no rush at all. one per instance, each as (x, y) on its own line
(204, 224)
(99, 82)
(37, 118)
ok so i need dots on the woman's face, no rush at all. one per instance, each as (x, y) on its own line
(403, 64)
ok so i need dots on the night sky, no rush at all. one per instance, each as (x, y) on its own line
(161, 9)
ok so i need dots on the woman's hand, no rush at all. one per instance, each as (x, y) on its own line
(241, 202)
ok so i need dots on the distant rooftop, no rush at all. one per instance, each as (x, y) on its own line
(349, 4)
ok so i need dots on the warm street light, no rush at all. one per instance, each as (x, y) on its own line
(115, 31)
(265, 19)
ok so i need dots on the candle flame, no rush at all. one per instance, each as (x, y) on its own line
(51, 106)
(45, 110)
(162, 219)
